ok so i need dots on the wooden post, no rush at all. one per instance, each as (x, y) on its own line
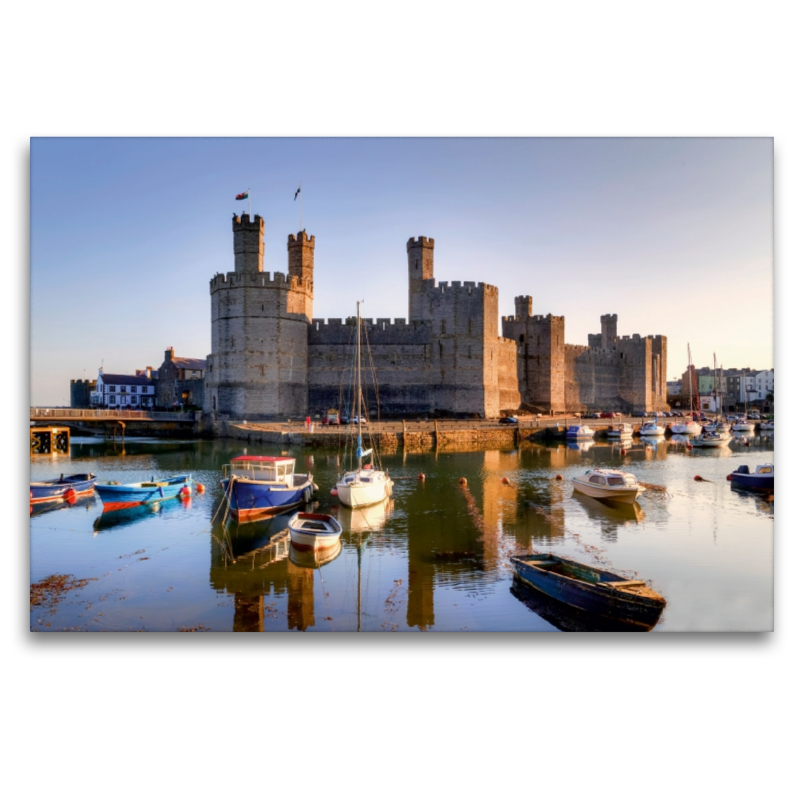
(436, 433)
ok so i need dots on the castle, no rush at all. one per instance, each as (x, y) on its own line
(271, 359)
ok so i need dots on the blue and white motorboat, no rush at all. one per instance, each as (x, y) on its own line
(651, 429)
(127, 495)
(762, 480)
(256, 485)
(580, 432)
(63, 488)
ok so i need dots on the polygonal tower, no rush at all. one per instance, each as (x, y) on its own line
(259, 330)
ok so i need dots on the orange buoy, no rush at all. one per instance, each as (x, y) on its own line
(559, 477)
(729, 477)
(200, 488)
(462, 481)
(334, 492)
(421, 476)
(698, 478)
(505, 480)
(186, 491)
(623, 451)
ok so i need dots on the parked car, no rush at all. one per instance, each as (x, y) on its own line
(508, 420)
(607, 415)
(331, 418)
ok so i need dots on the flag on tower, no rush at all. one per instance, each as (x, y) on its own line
(297, 192)
(243, 195)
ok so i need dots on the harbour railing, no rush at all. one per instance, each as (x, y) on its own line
(40, 414)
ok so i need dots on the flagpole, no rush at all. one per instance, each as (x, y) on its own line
(248, 205)
(301, 205)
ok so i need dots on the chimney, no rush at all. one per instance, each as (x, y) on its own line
(169, 354)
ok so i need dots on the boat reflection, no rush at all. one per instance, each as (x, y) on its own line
(37, 509)
(312, 559)
(564, 617)
(583, 447)
(366, 519)
(125, 517)
(603, 509)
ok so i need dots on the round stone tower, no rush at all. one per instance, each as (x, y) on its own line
(259, 330)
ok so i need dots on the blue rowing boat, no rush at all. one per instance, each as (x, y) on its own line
(63, 488)
(126, 495)
(590, 589)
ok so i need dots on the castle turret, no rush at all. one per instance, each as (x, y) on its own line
(248, 243)
(420, 268)
(522, 307)
(608, 330)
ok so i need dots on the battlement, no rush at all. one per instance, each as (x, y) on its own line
(422, 241)
(244, 222)
(608, 318)
(456, 287)
(279, 280)
(382, 324)
(301, 237)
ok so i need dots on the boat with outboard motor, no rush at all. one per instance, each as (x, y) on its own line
(257, 485)
(580, 432)
(651, 429)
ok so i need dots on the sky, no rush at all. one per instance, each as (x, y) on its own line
(674, 235)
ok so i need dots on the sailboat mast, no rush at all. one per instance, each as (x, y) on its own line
(358, 373)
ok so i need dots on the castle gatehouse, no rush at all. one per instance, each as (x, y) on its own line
(271, 359)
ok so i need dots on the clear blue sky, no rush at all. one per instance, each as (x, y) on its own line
(673, 235)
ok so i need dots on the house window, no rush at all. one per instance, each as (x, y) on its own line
(133, 390)
(113, 399)
(112, 388)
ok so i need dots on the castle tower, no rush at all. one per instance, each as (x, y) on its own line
(522, 307)
(608, 330)
(248, 243)
(258, 366)
(301, 266)
(420, 268)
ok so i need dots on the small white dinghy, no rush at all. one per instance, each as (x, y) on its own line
(314, 531)
(608, 484)
(710, 440)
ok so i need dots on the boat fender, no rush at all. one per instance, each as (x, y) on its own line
(186, 491)
(70, 495)
(334, 492)
(729, 477)
(560, 477)
(420, 477)
(506, 481)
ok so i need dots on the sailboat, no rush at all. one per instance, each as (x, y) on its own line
(365, 485)
(688, 427)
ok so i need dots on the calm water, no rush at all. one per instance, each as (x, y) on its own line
(435, 557)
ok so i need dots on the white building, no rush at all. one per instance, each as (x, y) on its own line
(130, 392)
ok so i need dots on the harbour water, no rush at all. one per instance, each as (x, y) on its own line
(436, 557)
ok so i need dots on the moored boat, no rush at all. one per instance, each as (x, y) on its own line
(686, 428)
(591, 589)
(710, 440)
(580, 432)
(256, 485)
(651, 429)
(126, 495)
(63, 488)
(620, 430)
(314, 531)
(762, 480)
(743, 426)
(361, 484)
(608, 484)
